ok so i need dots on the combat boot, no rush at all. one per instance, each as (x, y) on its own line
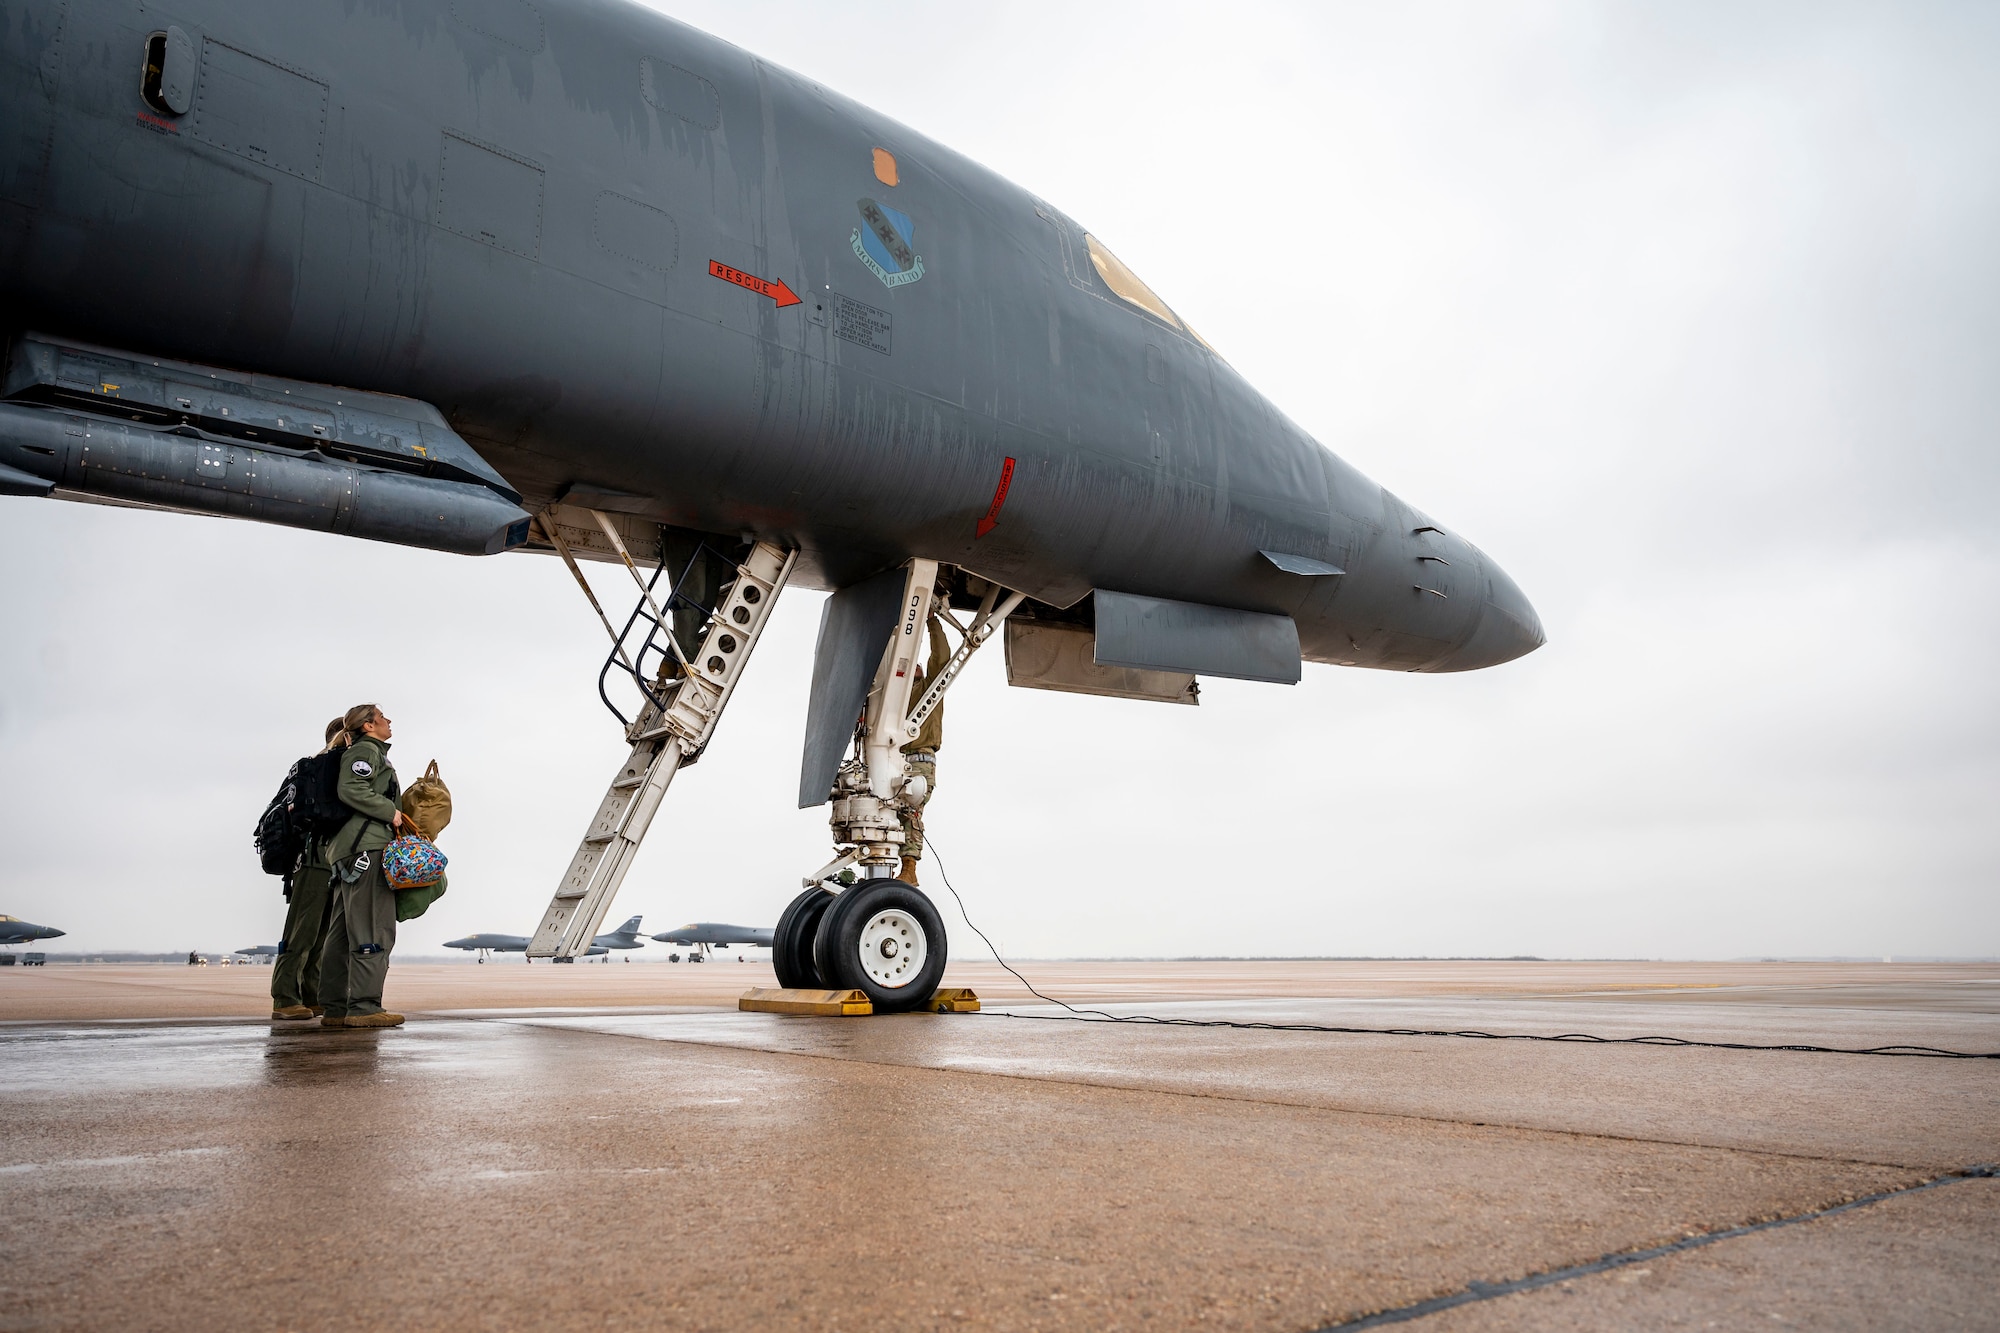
(332, 1021)
(385, 1019)
(909, 875)
(292, 1012)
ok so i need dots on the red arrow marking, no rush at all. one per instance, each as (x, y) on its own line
(999, 498)
(777, 291)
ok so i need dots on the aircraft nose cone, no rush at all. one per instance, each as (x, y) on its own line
(50, 933)
(1507, 628)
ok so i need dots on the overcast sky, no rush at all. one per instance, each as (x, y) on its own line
(1685, 313)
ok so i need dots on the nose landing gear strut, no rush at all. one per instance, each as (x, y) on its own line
(867, 930)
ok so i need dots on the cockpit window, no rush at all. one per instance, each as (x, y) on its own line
(1125, 282)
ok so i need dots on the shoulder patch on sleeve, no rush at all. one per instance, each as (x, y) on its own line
(362, 768)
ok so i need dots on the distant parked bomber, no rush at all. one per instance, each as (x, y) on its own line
(568, 276)
(625, 937)
(13, 930)
(488, 943)
(706, 936)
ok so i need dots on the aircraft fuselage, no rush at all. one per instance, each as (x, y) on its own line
(574, 226)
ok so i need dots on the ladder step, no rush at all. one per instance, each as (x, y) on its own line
(627, 784)
(599, 839)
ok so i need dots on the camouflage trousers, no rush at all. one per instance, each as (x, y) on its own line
(909, 813)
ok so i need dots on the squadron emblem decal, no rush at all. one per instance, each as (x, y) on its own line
(362, 768)
(883, 242)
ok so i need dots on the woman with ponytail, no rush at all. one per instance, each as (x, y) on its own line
(361, 922)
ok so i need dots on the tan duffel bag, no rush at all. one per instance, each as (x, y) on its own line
(427, 803)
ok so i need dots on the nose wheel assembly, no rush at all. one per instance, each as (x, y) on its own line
(855, 928)
(881, 937)
(876, 934)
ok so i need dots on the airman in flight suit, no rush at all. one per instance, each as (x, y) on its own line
(361, 925)
(295, 976)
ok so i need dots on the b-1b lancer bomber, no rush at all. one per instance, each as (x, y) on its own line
(567, 276)
(702, 938)
(13, 930)
(625, 937)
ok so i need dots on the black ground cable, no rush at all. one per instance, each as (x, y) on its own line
(1076, 1015)
(1486, 1291)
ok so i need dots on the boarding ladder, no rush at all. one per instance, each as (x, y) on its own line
(719, 600)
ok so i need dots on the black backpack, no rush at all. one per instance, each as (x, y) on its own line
(317, 810)
(307, 806)
(279, 842)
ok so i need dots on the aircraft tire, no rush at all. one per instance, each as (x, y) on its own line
(792, 941)
(882, 937)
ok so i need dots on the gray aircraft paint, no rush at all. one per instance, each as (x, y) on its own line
(507, 944)
(13, 930)
(1152, 632)
(168, 433)
(510, 211)
(625, 937)
(718, 934)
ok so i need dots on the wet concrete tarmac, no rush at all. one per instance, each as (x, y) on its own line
(541, 1166)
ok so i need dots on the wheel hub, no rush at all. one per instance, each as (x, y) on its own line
(893, 948)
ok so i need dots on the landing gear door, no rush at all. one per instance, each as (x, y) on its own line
(854, 624)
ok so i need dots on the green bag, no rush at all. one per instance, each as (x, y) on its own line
(413, 903)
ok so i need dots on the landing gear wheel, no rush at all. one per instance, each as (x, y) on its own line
(792, 941)
(884, 938)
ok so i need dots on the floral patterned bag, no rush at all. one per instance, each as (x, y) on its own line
(412, 862)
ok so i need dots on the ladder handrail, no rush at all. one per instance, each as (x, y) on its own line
(645, 585)
(633, 665)
(658, 615)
